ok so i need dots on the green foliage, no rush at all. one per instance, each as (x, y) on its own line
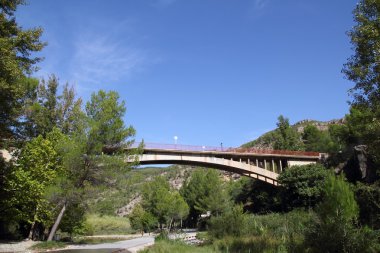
(256, 195)
(175, 246)
(142, 220)
(363, 67)
(264, 233)
(105, 114)
(287, 137)
(230, 223)
(303, 185)
(44, 109)
(204, 191)
(163, 203)
(37, 167)
(106, 224)
(333, 230)
(49, 245)
(368, 198)
(16, 62)
(316, 140)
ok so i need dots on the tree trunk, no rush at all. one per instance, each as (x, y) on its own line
(31, 232)
(56, 224)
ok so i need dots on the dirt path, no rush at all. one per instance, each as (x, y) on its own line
(16, 246)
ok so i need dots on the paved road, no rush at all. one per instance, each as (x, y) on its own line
(131, 245)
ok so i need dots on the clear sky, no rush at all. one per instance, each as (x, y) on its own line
(207, 71)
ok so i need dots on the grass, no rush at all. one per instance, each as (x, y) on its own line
(82, 240)
(166, 246)
(48, 245)
(107, 225)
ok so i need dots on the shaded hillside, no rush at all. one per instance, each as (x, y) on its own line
(121, 199)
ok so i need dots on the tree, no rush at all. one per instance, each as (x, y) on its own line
(231, 223)
(256, 196)
(363, 67)
(45, 109)
(163, 203)
(16, 48)
(105, 114)
(316, 140)
(142, 220)
(85, 165)
(287, 137)
(334, 228)
(37, 167)
(204, 192)
(303, 185)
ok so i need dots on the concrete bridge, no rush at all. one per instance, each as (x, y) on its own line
(264, 165)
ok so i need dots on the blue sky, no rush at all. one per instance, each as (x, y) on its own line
(207, 71)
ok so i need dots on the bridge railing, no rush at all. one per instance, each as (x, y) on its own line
(179, 147)
(182, 147)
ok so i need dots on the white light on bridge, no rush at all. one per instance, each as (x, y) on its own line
(175, 139)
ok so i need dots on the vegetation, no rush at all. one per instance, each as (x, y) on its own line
(204, 192)
(66, 170)
(175, 246)
(333, 229)
(303, 185)
(105, 225)
(48, 245)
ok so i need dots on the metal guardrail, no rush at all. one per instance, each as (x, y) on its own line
(181, 147)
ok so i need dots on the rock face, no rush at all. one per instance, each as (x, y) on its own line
(320, 125)
(361, 157)
(359, 167)
(126, 210)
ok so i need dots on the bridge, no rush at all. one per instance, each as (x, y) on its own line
(264, 165)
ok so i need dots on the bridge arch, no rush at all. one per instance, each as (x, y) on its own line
(211, 162)
(264, 165)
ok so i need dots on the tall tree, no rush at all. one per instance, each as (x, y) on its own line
(164, 203)
(334, 229)
(204, 192)
(287, 137)
(85, 167)
(23, 195)
(316, 140)
(45, 109)
(105, 114)
(16, 61)
(303, 185)
(363, 68)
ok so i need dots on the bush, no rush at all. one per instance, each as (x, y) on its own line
(333, 229)
(230, 223)
(103, 225)
(239, 232)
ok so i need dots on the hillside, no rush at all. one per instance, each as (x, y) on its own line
(121, 201)
(266, 140)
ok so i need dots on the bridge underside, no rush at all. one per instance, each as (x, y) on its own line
(212, 162)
